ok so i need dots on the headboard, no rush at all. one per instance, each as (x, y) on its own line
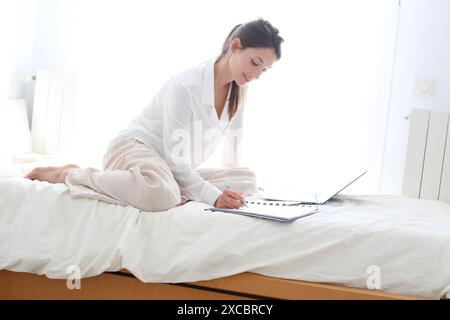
(427, 165)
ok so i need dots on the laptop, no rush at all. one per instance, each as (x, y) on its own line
(310, 198)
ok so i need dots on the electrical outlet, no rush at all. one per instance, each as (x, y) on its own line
(422, 87)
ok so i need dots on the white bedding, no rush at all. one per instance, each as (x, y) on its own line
(44, 231)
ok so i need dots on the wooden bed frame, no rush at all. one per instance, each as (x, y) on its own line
(123, 285)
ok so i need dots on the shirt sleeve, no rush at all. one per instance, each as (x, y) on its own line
(232, 145)
(177, 116)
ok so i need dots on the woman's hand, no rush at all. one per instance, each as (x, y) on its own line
(230, 200)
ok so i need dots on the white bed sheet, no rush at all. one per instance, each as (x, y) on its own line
(44, 231)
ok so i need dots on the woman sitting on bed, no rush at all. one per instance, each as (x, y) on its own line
(143, 166)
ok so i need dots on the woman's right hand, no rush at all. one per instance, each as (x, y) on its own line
(230, 200)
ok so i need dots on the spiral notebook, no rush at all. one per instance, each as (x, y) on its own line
(285, 211)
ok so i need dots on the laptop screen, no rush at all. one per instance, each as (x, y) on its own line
(318, 197)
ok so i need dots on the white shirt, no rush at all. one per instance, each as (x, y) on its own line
(182, 124)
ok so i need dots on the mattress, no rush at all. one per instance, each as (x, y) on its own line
(406, 241)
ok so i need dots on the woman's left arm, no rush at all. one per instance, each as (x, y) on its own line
(232, 152)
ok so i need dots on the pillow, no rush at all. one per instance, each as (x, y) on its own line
(15, 136)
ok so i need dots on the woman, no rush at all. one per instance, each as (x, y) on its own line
(149, 165)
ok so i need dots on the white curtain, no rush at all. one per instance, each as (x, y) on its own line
(307, 118)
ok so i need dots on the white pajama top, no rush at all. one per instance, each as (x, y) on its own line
(182, 124)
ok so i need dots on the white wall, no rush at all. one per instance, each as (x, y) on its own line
(17, 28)
(423, 50)
(51, 33)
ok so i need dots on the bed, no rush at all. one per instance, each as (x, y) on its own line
(49, 240)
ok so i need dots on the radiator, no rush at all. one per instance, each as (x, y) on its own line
(53, 112)
(427, 165)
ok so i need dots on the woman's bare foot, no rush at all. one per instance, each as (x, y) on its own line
(51, 174)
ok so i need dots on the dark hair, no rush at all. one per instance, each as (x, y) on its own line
(254, 34)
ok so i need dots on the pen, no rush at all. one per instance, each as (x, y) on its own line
(228, 187)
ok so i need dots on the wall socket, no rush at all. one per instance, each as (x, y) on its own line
(422, 87)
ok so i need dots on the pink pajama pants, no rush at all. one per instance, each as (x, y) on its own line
(136, 174)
